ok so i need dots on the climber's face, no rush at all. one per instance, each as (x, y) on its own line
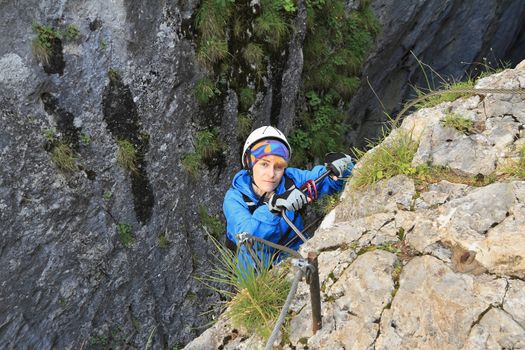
(267, 174)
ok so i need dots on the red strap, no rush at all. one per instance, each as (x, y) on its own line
(311, 187)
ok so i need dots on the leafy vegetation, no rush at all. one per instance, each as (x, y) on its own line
(125, 234)
(71, 32)
(236, 50)
(208, 145)
(207, 148)
(44, 42)
(48, 38)
(335, 47)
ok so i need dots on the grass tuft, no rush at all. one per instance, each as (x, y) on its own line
(516, 168)
(208, 145)
(388, 159)
(127, 156)
(246, 98)
(191, 163)
(434, 100)
(204, 91)
(458, 122)
(256, 297)
(64, 158)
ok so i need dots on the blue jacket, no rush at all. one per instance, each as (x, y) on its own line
(262, 222)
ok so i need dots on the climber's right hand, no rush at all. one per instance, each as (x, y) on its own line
(291, 200)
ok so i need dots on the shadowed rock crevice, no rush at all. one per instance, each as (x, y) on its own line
(64, 120)
(121, 116)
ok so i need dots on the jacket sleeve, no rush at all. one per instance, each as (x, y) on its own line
(262, 223)
(326, 187)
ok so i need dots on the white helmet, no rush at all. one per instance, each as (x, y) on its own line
(264, 132)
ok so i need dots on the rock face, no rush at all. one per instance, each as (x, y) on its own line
(456, 39)
(103, 257)
(407, 266)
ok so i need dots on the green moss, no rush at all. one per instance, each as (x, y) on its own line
(163, 241)
(125, 234)
(64, 158)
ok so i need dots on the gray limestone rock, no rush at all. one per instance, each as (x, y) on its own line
(435, 307)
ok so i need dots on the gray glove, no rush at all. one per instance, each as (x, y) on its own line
(338, 162)
(292, 200)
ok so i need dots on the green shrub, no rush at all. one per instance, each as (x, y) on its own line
(271, 26)
(127, 156)
(458, 122)
(125, 234)
(321, 130)
(64, 158)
